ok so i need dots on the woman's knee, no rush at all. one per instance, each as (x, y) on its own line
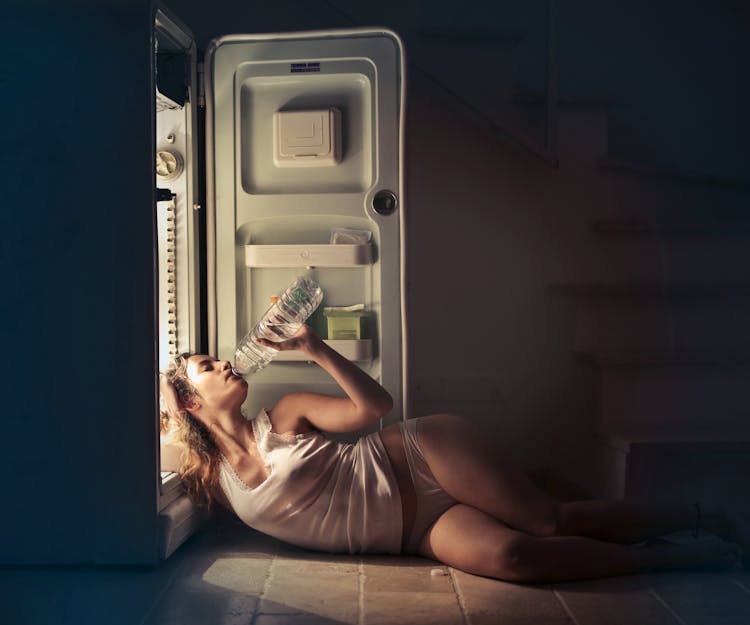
(550, 519)
(567, 524)
(513, 559)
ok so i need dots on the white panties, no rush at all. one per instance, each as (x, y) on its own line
(432, 500)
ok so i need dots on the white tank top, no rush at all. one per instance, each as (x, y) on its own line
(320, 494)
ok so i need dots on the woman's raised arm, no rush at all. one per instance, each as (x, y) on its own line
(367, 400)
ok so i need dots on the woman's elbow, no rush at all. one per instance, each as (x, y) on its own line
(384, 406)
(375, 411)
(388, 405)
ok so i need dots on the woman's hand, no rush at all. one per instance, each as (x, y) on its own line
(304, 340)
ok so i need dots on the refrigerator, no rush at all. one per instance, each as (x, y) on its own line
(276, 156)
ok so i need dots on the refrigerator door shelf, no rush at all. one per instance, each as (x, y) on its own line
(355, 350)
(308, 255)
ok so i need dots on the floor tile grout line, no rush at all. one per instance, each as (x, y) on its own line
(361, 598)
(565, 606)
(263, 590)
(460, 599)
(158, 598)
(666, 605)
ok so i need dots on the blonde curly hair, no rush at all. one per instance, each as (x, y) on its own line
(200, 460)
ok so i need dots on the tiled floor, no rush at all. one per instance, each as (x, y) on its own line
(228, 574)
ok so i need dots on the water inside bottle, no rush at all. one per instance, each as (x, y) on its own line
(250, 358)
(280, 331)
(280, 322)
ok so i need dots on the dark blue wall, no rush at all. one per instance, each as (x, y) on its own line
(77, 272)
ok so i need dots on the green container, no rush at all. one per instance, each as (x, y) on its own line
(345, 324)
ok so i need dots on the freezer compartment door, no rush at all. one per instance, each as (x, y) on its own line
(304, 138)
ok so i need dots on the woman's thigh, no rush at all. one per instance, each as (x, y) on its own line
(472, 541)
(468, 468)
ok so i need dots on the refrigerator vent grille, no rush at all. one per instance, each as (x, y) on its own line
(171, 271)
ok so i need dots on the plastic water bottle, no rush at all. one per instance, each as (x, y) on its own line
(280, 322)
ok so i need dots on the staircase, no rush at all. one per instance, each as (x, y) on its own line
(658, 272)
(674, 364)
(661, 289)
(662, 313)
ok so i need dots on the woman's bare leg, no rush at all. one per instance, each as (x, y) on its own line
(469, 470)
(475, 542)
(631, 520)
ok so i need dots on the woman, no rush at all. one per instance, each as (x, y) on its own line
(428, 486)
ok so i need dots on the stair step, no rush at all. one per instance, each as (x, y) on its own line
(672, 173)
(634, 263)
(714, 258)
(624, 439)
(707, 357)
(540, 99)
(709, 464)
(652, 200)
(638, 329)
(669, 394)
(653, 289)
(638, 227)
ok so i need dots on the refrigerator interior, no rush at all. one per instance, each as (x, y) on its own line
(180, 231)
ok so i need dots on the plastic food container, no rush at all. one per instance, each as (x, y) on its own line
(345, 322)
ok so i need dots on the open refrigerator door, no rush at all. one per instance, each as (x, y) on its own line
(303, 176)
